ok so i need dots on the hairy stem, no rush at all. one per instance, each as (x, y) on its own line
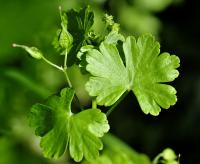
(112, 108)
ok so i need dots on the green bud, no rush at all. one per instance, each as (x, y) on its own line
(65, 40)
(108, 19)
(168, 154)
(33, 51)
(115, 27)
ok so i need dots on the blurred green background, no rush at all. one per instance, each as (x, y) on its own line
(25, 81)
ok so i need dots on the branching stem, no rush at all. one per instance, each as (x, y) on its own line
(52, 64)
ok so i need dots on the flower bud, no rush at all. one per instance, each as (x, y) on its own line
(33, 51)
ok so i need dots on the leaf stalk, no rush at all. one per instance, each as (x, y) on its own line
(112, 108)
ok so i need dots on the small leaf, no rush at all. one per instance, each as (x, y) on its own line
(82, 57)
(144, 73)
(83, 50)
(60, 129)
(79, 25)
(113, 37)
(33, 51)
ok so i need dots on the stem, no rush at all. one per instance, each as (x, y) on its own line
(94, 104)
(179, 156)
(70, 85)
(156, 159)
(65, 60)
(67, 77)
(65, 71)
(114, 106)
(52, 64)
(69, 82)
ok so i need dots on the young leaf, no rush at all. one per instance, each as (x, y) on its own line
(113, 37)
(112, 34)
(79, 26)
(33, 51)
(144, 74)
(60, 129)
(108, 19)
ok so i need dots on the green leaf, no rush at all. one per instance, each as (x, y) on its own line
(79, 26)
(33, 51)
(41, 118)
(167, 156)
(85, 128)
(84, 50)
(118, 152)
(60, 129)
(113, 37)
(82, 57)
(111, 34)
(144, 73)
(109, 75)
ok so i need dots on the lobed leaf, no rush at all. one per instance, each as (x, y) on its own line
(109, 78)
(148, 71)
(144, 72)
(60, 129)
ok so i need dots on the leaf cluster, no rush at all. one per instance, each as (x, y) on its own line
(116, 65)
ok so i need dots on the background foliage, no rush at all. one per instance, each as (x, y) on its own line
(24, 81)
